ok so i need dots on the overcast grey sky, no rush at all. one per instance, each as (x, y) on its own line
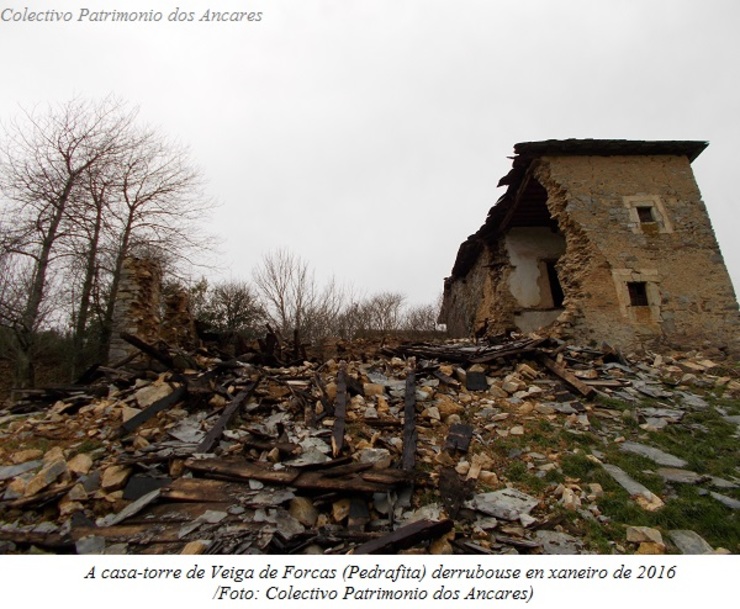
(368, 136)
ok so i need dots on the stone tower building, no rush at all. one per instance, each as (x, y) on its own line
(596, 240)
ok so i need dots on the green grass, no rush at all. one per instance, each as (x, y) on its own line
(703, 438)
(576, 465)
(715, 451)
(516, 471)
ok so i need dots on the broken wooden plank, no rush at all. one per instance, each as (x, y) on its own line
(340, 409)
(476, 381)
(569, 378)
(349, 468)
(467, 546)
(137, 534)
(359, 514)
(285, 448)
(408, 458)
(388, 477)
(242, 470)
(406, 537)
(459, 437)
(330, 465)
(52, 541)
(371, 481)
(178, 511)
(446, 379)
(203, 489)
(150, 350)
(39, 499)
(215, 432)
(158, 406)
(351, 483)
(324, 397)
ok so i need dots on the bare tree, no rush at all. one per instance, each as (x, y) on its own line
(231, 306)
(421, 319)
(43, 163)
(287, 288)
(293, 301)
(383, 311)
(323, 315)
(153, 208)
(87, 186)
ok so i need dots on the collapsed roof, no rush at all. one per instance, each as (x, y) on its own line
(525, 153)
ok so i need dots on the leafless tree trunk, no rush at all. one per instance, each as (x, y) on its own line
(282, 280)
(43, 164)
(153, 211)
(383, 311)
(93, 227)
(293, 301)
(86, 186)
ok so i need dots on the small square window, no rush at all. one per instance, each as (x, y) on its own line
(645, 214)
(638, 293)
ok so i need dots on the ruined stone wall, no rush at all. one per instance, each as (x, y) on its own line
(137, 307)
(178, 324)
(597, 203)
(464, 299)
(482, 300)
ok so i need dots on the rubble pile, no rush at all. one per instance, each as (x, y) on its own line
(411, 448)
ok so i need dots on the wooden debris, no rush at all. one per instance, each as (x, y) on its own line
(577, 384)
(459, 437)
(242, 470)
(370, 481)
(150, 350)
(215, 433)
(340, 408)
(39, 499)
(408, 460)
(279, 454)
(158, 406)
(203, 490)
(406, 537)
(467, 354)
(359, 514)
(52, 541)
(447, 380)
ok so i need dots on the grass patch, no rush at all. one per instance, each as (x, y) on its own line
(516, 471)
(576, 465)
(26, 441)
(613, 403)
(88, 445)
(705, 440)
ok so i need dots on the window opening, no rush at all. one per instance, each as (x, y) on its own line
(638, 293)
(645, 214)
(556, 290)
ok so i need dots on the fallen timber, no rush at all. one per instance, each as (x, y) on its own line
(333, 455)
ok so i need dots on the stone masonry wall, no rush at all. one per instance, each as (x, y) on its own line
(178, 324)
(481, 302)
(594, 200)
(463, 299)
(137, 306)
(626, 219)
